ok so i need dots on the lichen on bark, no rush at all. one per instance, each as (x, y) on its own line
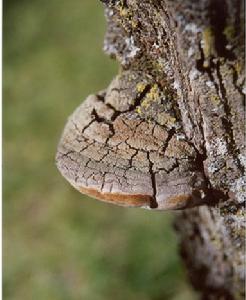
(196, 50)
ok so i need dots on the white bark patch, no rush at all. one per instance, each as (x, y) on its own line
(192, 27)
(132, 50)
(193, 74)
(240, 189)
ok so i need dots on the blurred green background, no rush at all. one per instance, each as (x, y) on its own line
(59, 244)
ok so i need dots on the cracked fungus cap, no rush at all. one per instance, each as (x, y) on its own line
(109, 152)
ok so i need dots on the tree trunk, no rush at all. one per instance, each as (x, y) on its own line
(196, 49)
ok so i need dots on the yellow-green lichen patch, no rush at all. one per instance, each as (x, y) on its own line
(215, 99)
(123, 12)
(208, 45)
(229, 32)
(145, 103)
(164, 118)
(139, 110)
(126, 17)
(140, 87)
(152, 95)
(238, 68)
(158, 65)
(134, 23)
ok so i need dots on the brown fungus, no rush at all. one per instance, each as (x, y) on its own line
(110, 152)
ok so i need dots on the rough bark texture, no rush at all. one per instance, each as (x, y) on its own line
(169, 130)
(195, 49)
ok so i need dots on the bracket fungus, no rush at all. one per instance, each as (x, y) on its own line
(125, 146)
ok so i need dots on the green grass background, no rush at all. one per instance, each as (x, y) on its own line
(59, 244)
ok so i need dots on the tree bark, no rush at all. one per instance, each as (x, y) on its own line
(196, 49)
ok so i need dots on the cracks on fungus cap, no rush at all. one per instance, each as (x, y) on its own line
(100, 119)
(170, 135)
(120, 157)
(132, 107)
(153, 202)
